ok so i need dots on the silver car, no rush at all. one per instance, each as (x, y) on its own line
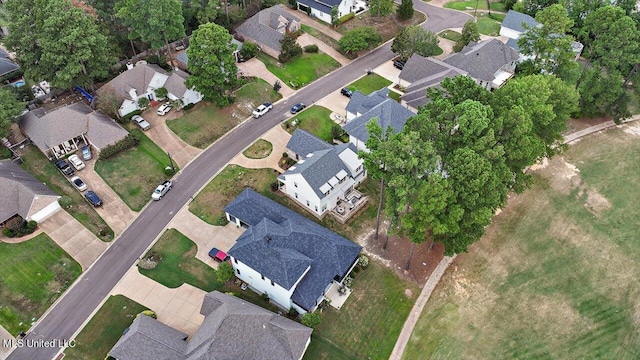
(78, 183)
(141, 122)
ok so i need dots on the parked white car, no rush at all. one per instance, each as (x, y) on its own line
(78, 183)
(141, 122)
(164, 109)
(161, 190)
(76, 162)
(262, 109)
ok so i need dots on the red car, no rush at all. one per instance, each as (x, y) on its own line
(218, 255)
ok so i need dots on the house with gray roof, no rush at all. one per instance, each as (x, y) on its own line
(267, 28)
(489, 62)
(292, 259)
(141, 81)
(321, 9)
(23, 195)
(378, 105)
(64, 130)
(324, 176)
(421, 73)
(232, 329)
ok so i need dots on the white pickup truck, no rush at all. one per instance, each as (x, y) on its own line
(161, 190)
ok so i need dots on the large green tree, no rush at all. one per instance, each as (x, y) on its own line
(360, 38)
(211, 63)
(58, 42)
(380, 7)
(469, 33)
(10, 108)
(415, 40)
(154, 22)
(405, 10)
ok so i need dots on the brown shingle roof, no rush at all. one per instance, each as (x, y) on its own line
(18, 190)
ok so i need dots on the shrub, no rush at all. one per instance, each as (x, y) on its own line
(125, 144)
(248, 50)
(220, 221)
(65, 202)
(356, 270)
(265, 296)
(274, 186)
(293, 313)
(168, 171)
(130, 115)
(8, 233)
(313, 48)
(346, 18)
(359, 38)
(32, 225)
(161, 92)
(149, 313)
(189, 106)
(291, 162)
(311, 320)
(348, 282)
(285, 154)
(224, 272)
(336, 131)
(147, 264)
(289, 48)
(143, 103)
(277, 86)
(363, 260)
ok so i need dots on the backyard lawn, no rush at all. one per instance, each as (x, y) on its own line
(301, 70)
(471, 5)
(179, 264)
(489, 25)
(135, 173)
(316, 120)
(72, 200)
(33, 274)
(325, 39)
(259, 149)
(204, 124)
(104, 329)
(369, 323)
(556, 275)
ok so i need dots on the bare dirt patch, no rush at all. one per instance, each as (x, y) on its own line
(633, 128)
(596, 203)
(562, 176)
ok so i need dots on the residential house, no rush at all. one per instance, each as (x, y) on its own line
(7, 65)
(285, 255)
(23, 195)
(64, 130)
(321, 9)
(232, 329)
(141, 81)
(267, 28)
(421, 73)
(361, 109)
(324, 175)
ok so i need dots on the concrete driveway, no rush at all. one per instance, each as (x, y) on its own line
(306, 39)
(74, 238)
(335, 102)
(4, 336)
(181, 152)
(388, 71)
(255, 67)
(278, 137)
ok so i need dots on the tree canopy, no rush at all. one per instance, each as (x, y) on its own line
(415, 40)
(405, 10)
(360, 38)
(469, 33)
(380, 8)
(10, 108)
(153, 22)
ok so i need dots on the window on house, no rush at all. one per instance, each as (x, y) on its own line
(324, 208)
(235, 260)
(308, 203)
(272, 283)
(359, 168)
(295, 184)
(296, 194)
(238, 270)
(316, 209)
(262, 277)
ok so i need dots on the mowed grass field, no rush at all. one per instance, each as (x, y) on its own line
(557, 274)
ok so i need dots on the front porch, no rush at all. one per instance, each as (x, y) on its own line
(68, 147)
(337, 295)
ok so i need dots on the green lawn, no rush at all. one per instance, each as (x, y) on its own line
(179, 264)
(72, 201)
(33, 274)
(104, 329)
(206, 123)
(325, 39)
(301, 70)
(368, 84)
(489, 25)
(471, 5)
(315, 120)
(259, 149)
(556, 276)
(134, 173)
(368, 325)
(450, 35)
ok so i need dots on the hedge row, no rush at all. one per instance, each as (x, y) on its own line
(125, 144)
(313, 48)
(346, 18)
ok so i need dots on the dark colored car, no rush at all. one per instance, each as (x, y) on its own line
(346, 92)
(64, 167)
(93, 198)
(399, 64)
(297, 108)
(218, 255)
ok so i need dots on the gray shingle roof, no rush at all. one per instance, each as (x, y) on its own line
(18, 189)
(149, 339)
(277, 229)
(514, 20)
(262, 26)
(324, 6)
(388, 113)
(513, 43)
(303, 142)
(137, 78)
(318, 169)
(175, 83)
(359, 103)
(483, 59)
(47, 130)
(7, 66)
(420, 67)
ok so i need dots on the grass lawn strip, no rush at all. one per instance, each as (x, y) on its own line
(556, 274)
(369, 323)
(259, 149)
(326, 39)
(104, 330)
(134, 173)
(301, 70)
(471, 5)
(450, 35)
(316, 120)
(72, 200)
(489, 25)
(33, 274)
(205, 123)
(368, 84)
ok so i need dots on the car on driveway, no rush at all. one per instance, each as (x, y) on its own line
(78, 183)
(141, 122)
(164, 109)
(86, 153)
(64, 167)
(262, 109)
(399, 64)
(161, 190)
(218, 255)
(93, 198)
(346, 92)
(76, 162)
(297, 108)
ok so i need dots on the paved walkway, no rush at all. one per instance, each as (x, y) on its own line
(4, 336)
(167, 140)
(279, 138)
(74, 238)
(306, 20)
(306, 39)
(414, 315)
(205, 236)
(178, 308)
(255, 67)
(592, 129)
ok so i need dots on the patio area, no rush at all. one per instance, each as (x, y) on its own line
(337, 295)
(352, 203)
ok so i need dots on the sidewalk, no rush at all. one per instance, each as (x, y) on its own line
(306, 39)
(167, 140)
(278, 137)
(255, 67)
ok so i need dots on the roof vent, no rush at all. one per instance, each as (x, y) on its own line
(309, 155)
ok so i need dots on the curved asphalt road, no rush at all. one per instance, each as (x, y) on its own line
(71, 311)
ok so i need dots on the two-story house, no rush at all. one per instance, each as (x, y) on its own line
(267, 28)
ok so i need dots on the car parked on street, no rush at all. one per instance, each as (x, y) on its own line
(262, 109)
(86, 153)
(298, 107)
(141, 122)
(93, 198)
(346, 92)
(164, 109)
(78, 183)
(76, 162)
(64, 167)
(161, 190)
